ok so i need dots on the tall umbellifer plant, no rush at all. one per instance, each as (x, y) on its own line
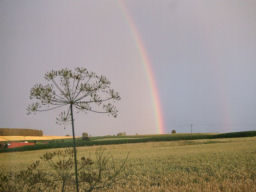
(78, 90)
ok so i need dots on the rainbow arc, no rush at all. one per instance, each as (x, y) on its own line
(148, 68)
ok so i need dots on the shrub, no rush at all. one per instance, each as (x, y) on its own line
(85, 136)
(173, 131)
(121, 134)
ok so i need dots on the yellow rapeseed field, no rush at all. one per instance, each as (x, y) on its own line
(227, 165)
(28, 138)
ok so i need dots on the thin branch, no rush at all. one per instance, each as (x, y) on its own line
(89, 92)
(113, 178)
(72, 89)
(57, 86)
(74, 93)
(67, 85)
(92, 101)
(68, 113)
(80, 89)
(56, 104)
(60, 98)
(96, 111)
(59, 101)
(40, 110)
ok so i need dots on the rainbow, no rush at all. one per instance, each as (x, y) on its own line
(218, 74)
(148, 68)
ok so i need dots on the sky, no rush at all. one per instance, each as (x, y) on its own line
(202, 56)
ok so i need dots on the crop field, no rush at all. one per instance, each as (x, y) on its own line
(29, 138)
(227, 164)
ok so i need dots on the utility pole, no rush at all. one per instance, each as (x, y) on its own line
(191, 128)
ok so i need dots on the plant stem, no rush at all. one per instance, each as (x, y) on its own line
(74, 145)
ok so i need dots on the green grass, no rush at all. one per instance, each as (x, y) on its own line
(225, 164)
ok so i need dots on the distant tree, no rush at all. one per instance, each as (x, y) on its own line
(6, 146)
(85, 136)
(173, 131)
(78, 90)
(121, 134)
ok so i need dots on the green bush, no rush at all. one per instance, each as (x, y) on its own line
(85, 136)
(121, 134)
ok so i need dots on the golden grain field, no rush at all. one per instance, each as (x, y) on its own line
(29, 138)
(182, 166)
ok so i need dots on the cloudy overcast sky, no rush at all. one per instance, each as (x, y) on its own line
(203, 56)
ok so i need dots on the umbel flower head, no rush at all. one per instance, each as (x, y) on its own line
(82, 89)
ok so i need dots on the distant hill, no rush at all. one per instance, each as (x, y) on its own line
(20, 132)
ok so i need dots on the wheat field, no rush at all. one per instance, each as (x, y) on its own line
(227, 165)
